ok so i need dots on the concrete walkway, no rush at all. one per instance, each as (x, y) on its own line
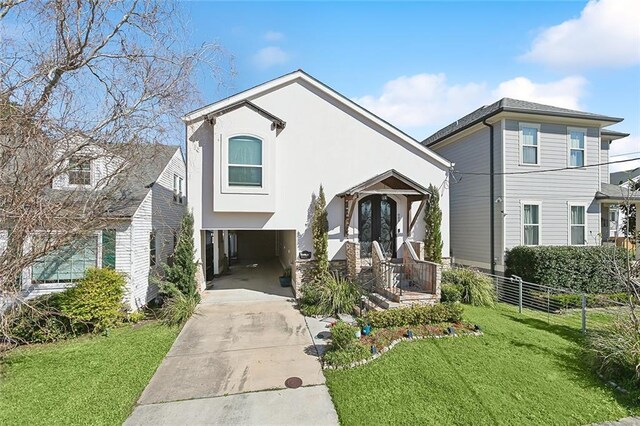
(245, 340)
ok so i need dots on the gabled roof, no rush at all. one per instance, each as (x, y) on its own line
(610, 192)
(278, 122)
(300, 75)
(512, 105)
(618, 178)
(391, 178)
(151, 160)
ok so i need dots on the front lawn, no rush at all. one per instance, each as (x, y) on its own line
(522, 371)
(89, 380)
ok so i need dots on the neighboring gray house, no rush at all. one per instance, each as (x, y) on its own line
(525, 174)
(142, 231)
(619, 186)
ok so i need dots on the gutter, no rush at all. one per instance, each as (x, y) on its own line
(492, 197)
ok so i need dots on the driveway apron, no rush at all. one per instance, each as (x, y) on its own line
(245, 338)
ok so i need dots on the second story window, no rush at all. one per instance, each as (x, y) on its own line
(577, 139)
(529, 144)
(178, 191)
(152, 249)
(79, 171)
(245, 161)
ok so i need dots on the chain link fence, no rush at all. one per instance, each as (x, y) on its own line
(579, 311)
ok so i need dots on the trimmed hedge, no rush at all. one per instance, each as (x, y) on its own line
(414, 315)
(585, 269)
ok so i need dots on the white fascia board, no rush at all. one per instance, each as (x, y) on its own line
(301, 75)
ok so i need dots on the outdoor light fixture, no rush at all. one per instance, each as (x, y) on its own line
(374, 350)
(476, 327)
(451, 331)
(410, 334)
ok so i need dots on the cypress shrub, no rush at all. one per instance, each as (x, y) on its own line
(432, 222)
(588, 269)
(320, 234)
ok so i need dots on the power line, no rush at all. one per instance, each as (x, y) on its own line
(527, 172)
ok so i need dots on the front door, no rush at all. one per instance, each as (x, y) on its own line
(377, 222)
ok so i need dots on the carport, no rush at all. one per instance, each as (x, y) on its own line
(258, 254)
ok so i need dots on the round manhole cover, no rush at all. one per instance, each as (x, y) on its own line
(293, 382)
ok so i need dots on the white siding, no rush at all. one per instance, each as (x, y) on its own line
(554, 189)
(604, 158)
(158, 212)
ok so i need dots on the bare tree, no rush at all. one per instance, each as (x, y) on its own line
(84, 81)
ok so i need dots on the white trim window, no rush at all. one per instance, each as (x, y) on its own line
(577, 141)
(178, 189)
(531, 223)
(66, 264)
(79, 171)
(244, 162)
(529, 144)
(153, 249)
(577, 224)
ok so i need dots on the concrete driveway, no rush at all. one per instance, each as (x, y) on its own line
(246, 338)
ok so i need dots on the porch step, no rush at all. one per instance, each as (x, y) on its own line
(388, 294)
(371, 306)
(382, 301)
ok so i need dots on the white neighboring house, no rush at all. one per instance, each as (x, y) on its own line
(527, 174)
(619, 184)
(142, 234)
(256, 160)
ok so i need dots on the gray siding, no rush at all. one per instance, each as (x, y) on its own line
(604, 158)
(470, 201)
(555, 190)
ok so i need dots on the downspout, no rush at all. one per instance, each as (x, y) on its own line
(492, 197)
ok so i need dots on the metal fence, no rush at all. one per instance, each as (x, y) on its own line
(580, 311)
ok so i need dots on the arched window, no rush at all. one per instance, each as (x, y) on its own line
(245, 161)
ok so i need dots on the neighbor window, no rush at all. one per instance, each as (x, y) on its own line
(578, 225)
(613, 214)
(79, 171)
(178, 184)
(152, 249)
(577, 139)
(245, 161)
(531, 224)
(109, 248)
(529, 144)
(66, 264)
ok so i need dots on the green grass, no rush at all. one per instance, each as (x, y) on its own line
(89, 380)
(522, 371)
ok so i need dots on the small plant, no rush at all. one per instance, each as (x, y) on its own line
(96, 300)
(178, 308)
(414, 315)
(477, 289)
(343, 335)
(320, 234)
(338, 295)
(451, 293)
(354, 353)
(310, 300)
(135, 317)
(38, 321)
(616, 351)
(432, 223)
(181, 274)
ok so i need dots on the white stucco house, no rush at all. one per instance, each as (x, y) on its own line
(527, 174)
(256, 160)
(141, 230)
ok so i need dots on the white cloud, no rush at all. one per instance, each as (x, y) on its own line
(424, 103)
(565, 93)
(607, 33)
(270, 56)
(273, 36)
(623, 149)
(424, 99)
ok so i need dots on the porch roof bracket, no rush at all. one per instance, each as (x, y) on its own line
(415, 218)
(349, 207)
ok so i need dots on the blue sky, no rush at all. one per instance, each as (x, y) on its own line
(421, 65)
